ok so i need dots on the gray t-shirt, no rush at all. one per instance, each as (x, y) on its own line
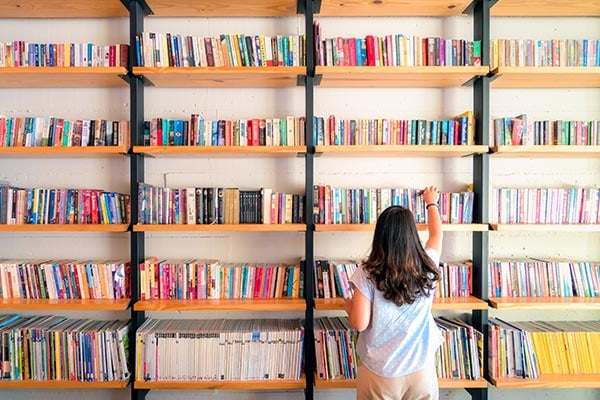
(399, 340)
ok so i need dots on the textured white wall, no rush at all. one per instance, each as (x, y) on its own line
(288, 174)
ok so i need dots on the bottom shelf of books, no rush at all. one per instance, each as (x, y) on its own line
(245, 354)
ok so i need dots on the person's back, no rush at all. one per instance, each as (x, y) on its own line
(391, 307)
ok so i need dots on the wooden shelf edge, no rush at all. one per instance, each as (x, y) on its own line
(402, 150)
(64, 228)
(220, 70)
(545, 227)
(220, 228)
(88, 151)
(439, 303)
(208, 150)
(567, 381)
(225, 385)
(420, 227)
(33, 384)
(64, 304)
(545, 303)
(278, 304)
(444, 383)
(546, 150)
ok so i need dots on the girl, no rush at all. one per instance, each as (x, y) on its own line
(391, 307)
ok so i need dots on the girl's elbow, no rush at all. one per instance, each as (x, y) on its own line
(359, 325)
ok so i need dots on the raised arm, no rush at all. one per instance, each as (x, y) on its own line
(431, 195)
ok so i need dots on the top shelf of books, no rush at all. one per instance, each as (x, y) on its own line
(546, 77)
(546, 8)
(358, 8)
(62, 9)
(230, 8)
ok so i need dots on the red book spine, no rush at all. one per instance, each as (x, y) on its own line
(370, 50)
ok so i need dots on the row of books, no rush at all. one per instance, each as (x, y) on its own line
(520, 130)
(231, 350)
(382, 131)
(545, 206)
(54, 348)
(461, 354)
(53, 131)
(529, 349)
(545, 53)
(197, 131)
(20, 206)
(363, 206)
(543, 278)
(198, 279)
(65, 279)
(335, 348)
(227, 50)
(332, 277)
(395, 50)
(20, 53)
(218, 205)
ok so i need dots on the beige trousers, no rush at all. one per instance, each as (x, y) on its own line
(421, 385)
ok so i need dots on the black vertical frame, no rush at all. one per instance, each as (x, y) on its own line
(136, 90)
(309, 341)
(481, 95)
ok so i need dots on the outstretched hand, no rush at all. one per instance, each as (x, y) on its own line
(431, 194)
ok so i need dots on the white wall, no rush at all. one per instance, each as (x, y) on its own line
(288, 174)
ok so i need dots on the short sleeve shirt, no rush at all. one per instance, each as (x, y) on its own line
(399, 340)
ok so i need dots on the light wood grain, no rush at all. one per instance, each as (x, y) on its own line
(386, 8)
(400, 150)
(546, 77)
(334, 76)
(64, 228)
(70, 152)
(222, 77)
(62, 9)
(62, 304)
(439, 304)
(222, 385)
(221, 228)
(229, 8)
(550, 151)
(545, 227)
(61, 77)
(546, 8)
(554, 381)
(443, 383)
(420, 227)
(212, 151)
(546, 303)
(31, 384)
(279, 304)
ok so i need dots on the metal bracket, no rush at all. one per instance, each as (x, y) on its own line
(301, 80)
(471, 81)
(142, 3)
(301, 9)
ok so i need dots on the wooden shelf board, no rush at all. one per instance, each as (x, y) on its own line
(546, 303)
(62, 9)
(420, 227)
(87, 152)
(358, 8)
(400, 150)
(444, 383)
(546, 77)
(546, 227)
(279, 304)
(221, 228)
(211, 151)
(546, 151)
(210, 8)
(62, 77)
(334, 76)
(554, 381)
(63, 304)
(221, 77)
(546, 8)
(64, 228)
(224, 385)
(31, 384)
(439, 304)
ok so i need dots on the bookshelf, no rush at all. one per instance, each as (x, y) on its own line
(42, 92)
(439, 304)
(527, 84)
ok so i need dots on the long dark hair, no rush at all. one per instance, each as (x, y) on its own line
(398, 264)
